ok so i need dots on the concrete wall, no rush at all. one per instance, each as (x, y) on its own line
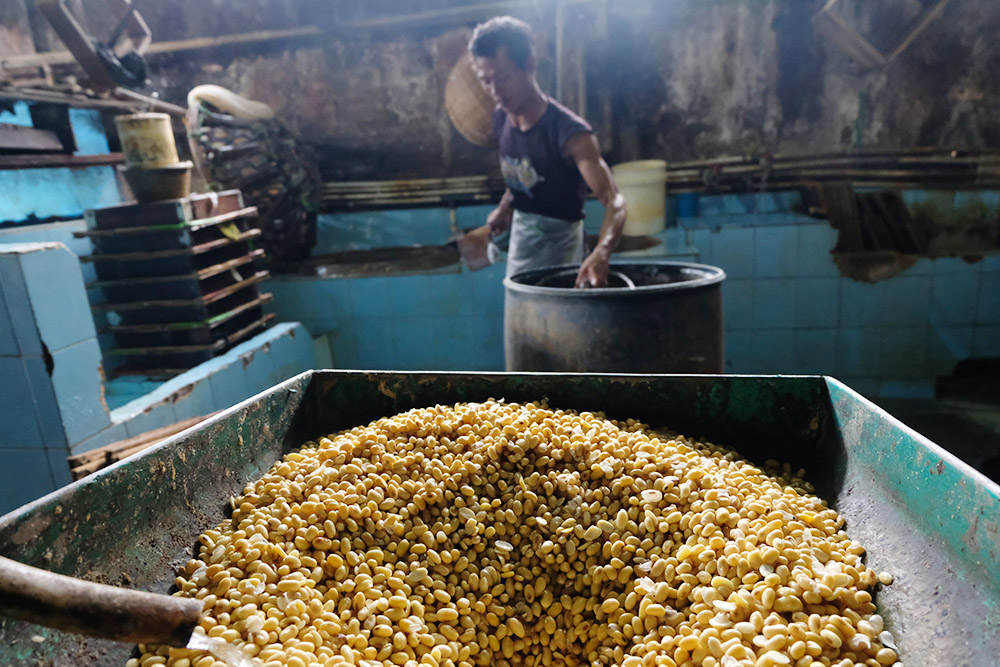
(679, 80)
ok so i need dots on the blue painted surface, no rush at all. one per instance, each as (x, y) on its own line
(58, 298)
(77, 382)
(816, 302)
(8, 341)
(89, 132)
(815, 352)
(59, 192)
(113, 433)
(47, 409)
(20, 430)
(46, 193)
(59, 467)
(22, 324)
(774, 303)
(25, 475)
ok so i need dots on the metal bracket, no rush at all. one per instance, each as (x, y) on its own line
(137, 37)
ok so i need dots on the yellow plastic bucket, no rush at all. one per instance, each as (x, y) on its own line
(147, 140)
(644, 185)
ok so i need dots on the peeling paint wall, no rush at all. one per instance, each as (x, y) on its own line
(664, 78)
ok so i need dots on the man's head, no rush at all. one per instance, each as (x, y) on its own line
(505, 61)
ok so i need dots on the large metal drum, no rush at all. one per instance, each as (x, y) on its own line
(654, 317)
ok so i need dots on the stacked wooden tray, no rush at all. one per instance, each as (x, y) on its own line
(181, 279)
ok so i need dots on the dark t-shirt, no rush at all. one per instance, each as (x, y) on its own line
(540, 178)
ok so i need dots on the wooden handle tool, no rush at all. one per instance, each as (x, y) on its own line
(74, 605)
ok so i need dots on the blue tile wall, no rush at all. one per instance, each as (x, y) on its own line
(258, 367)
(197, 402)
(954, 298)
(62, 313)
(738, 303)
(20, 430)
(77, 382)
(815, 352)
(986, 342)
(946, 346)
(59, 466)
(786, 306)
(113, 433)
(344, 346)
(904, 352)
(859, 352)
(18, 304)
(24, 476)
(817, 301)
(376, 229)
(861, 304)
(377, 343)
(738, 345)
(153, 417)
(775, 251)
(305, 351)
(815, 241)
(774, 303)
(905, 300)
(47, 410)
(732, 251)
(487, 344)
(988, 310)
(772, 351)
(8, 341)
(228, 383)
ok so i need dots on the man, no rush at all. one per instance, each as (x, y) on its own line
(548, 157)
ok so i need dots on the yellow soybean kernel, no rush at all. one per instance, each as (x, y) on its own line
(363, 529)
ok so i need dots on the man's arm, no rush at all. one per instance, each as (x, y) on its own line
(500, 218)
(583, 149)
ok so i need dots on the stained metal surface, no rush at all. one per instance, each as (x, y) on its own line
(923, 515)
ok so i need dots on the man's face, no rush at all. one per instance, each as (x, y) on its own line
(507, 84)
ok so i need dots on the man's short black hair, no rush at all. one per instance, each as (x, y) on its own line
(506, 31)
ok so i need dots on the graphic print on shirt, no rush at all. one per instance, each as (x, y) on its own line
(519, 174)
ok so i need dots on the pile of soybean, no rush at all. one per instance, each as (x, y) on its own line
(515, 534)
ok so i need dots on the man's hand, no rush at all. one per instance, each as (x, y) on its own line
(594, 270)
(498, 221)
(500, 218)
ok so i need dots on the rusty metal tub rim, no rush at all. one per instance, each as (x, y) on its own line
(692, 276)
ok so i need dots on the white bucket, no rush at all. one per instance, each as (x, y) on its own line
(644, 186)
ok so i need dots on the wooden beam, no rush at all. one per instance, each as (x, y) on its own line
(918, 26)
(157, 48)
(20, 138)
(50, 160)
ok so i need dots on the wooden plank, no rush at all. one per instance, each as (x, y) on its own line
(50, 160)
(194, 250)
(193, 225)
(88, 462)
(66, 58)
(54, 117)
(257, 278)
(23, 139)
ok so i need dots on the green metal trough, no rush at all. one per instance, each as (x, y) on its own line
(926, 517)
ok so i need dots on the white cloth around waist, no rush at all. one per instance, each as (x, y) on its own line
(537, 241)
